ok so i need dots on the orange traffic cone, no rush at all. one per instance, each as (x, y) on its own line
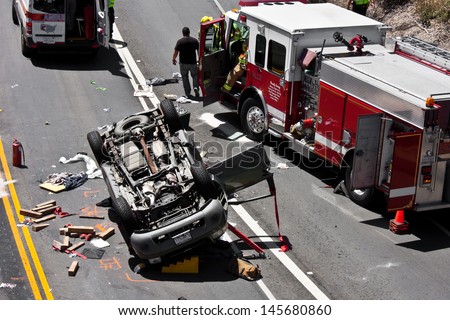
(398, 225)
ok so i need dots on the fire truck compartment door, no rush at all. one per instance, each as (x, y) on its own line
(366, 151)
(213, 58)
(405, 163)
(103, 32)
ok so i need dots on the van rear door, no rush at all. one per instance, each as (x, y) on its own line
(103, 32)
(48, 22)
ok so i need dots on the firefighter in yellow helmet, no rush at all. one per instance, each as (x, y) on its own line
(213, 34)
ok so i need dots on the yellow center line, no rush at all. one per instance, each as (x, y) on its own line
(27, 236)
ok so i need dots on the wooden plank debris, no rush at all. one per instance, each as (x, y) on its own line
(46, 218)
(86, 216)
(37, 227)
(48, 203)
(107, 233)
(47, 210)
(80, 229)
(73, 268)
(30, 213)
(76, 246)
(55, 188)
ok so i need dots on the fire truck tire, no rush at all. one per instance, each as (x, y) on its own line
(253, 120)
(171, 117)
(362, 197)
(14, 15)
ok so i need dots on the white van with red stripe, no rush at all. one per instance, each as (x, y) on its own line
(75, 24)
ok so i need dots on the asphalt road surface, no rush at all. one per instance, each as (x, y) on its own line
(50, 102)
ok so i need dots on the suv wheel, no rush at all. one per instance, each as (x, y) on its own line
(125, 215)
(203, 181)
(171, 117)
(96, 143)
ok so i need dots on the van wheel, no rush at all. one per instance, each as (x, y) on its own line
(171, 116)
(14, 15)
(26, 51)
(253, 119)
(362, 197)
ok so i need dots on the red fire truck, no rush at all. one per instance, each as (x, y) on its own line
(336, 87)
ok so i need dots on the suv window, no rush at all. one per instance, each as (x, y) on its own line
(260, 51)
(277, 57)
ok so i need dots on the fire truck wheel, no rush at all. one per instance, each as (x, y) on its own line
(253, 119)
(362, 197)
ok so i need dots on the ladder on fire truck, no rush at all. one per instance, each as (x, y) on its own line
(425, 51)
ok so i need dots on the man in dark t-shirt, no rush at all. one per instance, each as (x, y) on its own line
(187, 49)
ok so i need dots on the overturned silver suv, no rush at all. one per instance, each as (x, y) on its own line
(164, 199)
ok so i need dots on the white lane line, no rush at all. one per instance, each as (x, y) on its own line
(132, 69)
(288, 263)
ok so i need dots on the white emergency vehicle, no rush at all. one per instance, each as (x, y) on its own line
(51, 24)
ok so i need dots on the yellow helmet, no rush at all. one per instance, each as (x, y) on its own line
(205, 19)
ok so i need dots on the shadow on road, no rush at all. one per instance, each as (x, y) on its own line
(104, 59)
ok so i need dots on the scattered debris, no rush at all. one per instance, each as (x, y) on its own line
(38, 227)
(160, 81)
(144, 91)
(92, 169)
(73, 268)
(8, 285)
(100, 89)
(106, 110)
(244, 269)
(185, 100)
(46, 218)
(93, 253)
(87, 216)
(283, 166)
(99, 243)
(76, 246)
(14, 86)
(172, 97)
(106, 234)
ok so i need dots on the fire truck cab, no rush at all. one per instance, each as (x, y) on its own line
(331, 83)
(51, 24)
